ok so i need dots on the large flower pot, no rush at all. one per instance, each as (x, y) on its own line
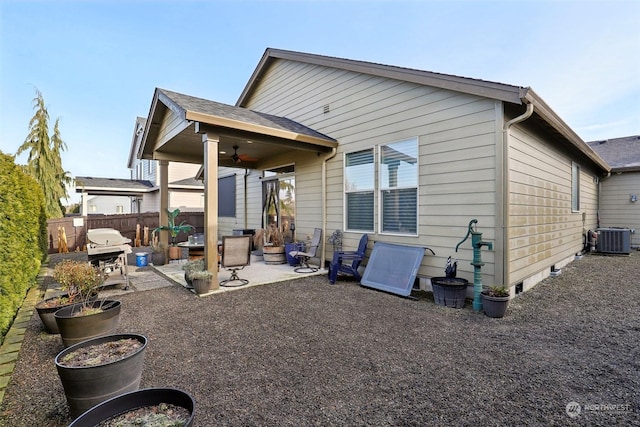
(46, 310)
(157, 258)
(75, 328)
(88, 386)
(175, 252)
(291, 247)
(134, 400)
(494, 306)
(274, 255)
(449, 291)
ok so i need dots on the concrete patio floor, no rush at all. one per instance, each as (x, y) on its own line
(258, 273)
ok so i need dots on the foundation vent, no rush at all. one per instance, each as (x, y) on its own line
(326, 109)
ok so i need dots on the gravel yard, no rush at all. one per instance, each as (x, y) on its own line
(304, 352)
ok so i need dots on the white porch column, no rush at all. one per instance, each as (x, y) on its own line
(85, 204)
(163, 171)
(211, 205)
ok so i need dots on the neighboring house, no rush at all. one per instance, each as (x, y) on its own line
(406, 156)
(110, 195)
(620, 191)
(185, 192)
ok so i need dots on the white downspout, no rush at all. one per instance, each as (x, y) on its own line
(506, 192)
(328, 157)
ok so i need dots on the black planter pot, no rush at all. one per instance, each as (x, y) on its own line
(449, 291)
(201, 286)
(157, 258)
(133, 400)
(494, 306)
(74, 329)
(47, 313)
(88, 386)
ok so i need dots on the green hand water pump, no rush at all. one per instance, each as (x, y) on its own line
(476, 244)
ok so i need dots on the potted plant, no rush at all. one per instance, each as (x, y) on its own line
(157, 250)
(174, 229)
(189, 267)
(449, 291)
(150, 406)
(71, 294)
(66, 274)
(87, 317)
(201, 280)
(98, 369)
(495, 300)
(273, 248)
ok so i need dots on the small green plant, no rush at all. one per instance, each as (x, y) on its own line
(194, 265)
(496, 291)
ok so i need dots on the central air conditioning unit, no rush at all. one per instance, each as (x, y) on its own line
(614, 240)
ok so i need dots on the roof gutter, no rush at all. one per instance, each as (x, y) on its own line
(506, 191)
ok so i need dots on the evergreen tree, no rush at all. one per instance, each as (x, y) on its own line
(44, 162)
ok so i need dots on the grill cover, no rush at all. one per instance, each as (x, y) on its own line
(106, 237)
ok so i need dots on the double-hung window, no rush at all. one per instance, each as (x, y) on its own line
(359, 187)
(398, 178)
(396, 192)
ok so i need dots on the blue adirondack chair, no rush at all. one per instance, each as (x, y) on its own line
(347, 262)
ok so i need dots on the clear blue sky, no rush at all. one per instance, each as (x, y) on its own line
(97, 62)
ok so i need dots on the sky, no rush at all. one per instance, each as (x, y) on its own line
(97, 63)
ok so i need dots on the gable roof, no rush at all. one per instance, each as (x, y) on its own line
(517, 95)
(622, 154)
(260, 135)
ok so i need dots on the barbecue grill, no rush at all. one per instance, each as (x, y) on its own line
(107, 250)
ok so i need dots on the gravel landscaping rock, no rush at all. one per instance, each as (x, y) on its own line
(303, 353)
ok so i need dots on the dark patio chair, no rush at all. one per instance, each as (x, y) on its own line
(236, 255)
(308, 253)
(347, 262)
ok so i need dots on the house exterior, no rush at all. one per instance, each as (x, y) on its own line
(620, 190)
(406, 156)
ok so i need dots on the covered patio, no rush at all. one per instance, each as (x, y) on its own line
(183, 128)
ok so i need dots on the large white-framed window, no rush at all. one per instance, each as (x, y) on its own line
(398, 186)
(575, 187)
(359, 189)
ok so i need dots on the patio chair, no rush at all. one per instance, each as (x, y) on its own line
(306, 255)
(236, 255)
(347, 262)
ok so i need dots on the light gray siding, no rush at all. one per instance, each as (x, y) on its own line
(616, 208)
(456, 134)
(543, 229)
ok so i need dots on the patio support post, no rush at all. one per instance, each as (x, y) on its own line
(163, 169)
(210, 143)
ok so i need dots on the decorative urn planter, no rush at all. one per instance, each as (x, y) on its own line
(88, 385)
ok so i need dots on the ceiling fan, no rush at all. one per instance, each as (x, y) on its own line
(238, 158)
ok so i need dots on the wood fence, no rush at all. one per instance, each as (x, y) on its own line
(75, 228)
